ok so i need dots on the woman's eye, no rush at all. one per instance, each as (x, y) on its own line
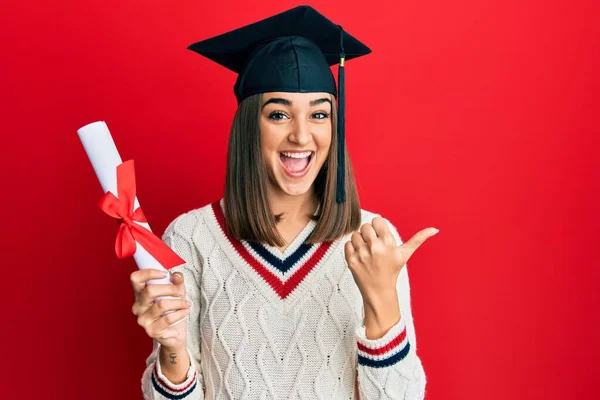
(277, 116)
(320, 115)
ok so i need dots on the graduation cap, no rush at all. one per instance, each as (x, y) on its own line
(289, 52)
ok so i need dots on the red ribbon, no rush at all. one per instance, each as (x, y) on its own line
(121, 208)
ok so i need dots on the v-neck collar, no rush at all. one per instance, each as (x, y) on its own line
(291, 251)
(283, 272)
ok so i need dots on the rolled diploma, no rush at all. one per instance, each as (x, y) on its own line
(104, 156)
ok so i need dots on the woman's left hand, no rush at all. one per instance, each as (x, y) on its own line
(375, 259)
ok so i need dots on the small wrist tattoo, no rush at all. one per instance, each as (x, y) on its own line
(173, 357)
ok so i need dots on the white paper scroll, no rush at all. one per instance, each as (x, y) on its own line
(102, 152)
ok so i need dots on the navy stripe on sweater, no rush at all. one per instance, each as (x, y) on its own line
(281, 265)
(385, 362)
(168, 395)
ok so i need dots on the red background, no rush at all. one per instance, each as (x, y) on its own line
(476, 117)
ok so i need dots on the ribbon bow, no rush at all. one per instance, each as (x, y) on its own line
(130, 232)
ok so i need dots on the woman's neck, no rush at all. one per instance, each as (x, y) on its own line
(295, 214)
(294, 209)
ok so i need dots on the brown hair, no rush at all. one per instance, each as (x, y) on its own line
(247, 210)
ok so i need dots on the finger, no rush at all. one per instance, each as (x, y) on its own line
(151, 292)
(178, 281)
(165, 305)
(348, 250)
(368, 233)
(357, 241)
(166, 321)
(409, 247)
(140, 277)
(383, 231)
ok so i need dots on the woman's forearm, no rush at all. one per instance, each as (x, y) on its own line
(174, 364)
(381, 313)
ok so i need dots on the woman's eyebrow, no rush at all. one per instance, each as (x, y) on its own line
(286, 102)
(320, 101)
(277, 100)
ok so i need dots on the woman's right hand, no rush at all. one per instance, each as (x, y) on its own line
(151, 314)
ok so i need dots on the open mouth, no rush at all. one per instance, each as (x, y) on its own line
(296, 164)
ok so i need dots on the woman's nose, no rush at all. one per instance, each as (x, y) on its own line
(300, 134)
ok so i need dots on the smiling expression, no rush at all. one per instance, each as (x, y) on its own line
(295, 133)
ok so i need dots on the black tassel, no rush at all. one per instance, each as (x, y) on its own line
(341, 126)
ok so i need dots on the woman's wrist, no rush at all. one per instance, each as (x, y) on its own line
(174, 363)
(177, 348)
(381, 313)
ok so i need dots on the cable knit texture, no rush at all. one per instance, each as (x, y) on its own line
(267, 324)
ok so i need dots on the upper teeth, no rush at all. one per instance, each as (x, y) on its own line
(297, 155)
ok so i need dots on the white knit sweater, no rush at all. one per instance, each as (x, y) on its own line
(271, 325)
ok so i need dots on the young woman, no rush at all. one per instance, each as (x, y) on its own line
(292, 290)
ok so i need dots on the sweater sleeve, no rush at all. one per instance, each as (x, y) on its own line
(388, 367)
(155, 386)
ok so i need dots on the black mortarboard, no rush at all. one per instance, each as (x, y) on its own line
(289, 52)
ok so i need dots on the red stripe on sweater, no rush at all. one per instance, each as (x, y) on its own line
(384, 349)
(169, 387)
(283, 289)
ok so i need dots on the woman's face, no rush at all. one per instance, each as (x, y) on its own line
(295, 133)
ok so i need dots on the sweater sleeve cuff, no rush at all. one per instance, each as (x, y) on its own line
(170, 390)
(383, 352)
